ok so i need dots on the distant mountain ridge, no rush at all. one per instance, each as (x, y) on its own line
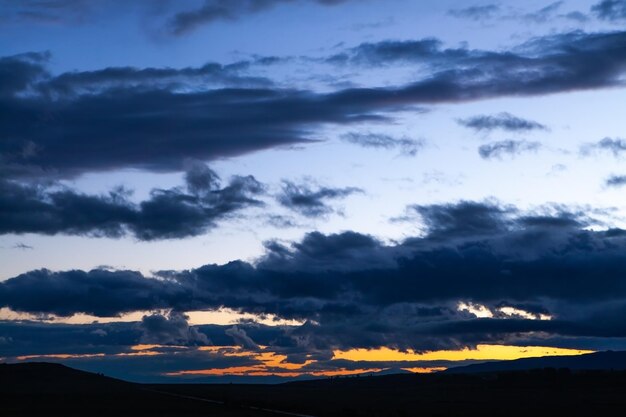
(598, 361)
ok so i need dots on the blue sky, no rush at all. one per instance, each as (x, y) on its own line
(161, 139)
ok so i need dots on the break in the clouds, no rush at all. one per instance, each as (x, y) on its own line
(509, 147)
(311, 200)
(406, 145)
(503, 121)
(167, 214)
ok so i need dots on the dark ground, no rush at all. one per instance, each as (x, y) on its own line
(54, 390)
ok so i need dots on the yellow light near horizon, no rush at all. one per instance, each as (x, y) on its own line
(420, 370)
(482, 352)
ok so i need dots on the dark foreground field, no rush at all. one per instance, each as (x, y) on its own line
(53, 390)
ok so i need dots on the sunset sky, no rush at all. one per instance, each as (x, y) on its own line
(266, 189)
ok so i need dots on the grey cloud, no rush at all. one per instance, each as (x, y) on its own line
(507, 147)
(241, 338)
(615, 146)
(539, 16)
(310, 200)
(22, 246)
(159, 129)
(486, 11)
(94, 82)
(405, 145)
(544, 14)
(172, 329)
(503, 121)
(615, 181)
(466, 218)
(355, 291)
(218, 10)
(167, 214)
(612, 10)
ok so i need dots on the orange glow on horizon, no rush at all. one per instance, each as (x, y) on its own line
(431, 370)
(258, 370)
(265, 362)
(482, 352)
(61, 356)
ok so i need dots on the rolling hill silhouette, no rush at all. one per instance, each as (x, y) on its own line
(572, 386)
(49, 389)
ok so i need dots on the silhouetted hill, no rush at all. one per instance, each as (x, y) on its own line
(51, 390)
(514, 394)
(47, 389)
(599, 361)
(53, 377)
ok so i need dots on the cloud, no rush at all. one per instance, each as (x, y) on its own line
(352, 290)
(539, 16)
(309, 201)
(219, 10)
(22, 246)
(615, 146)
(507, 147)
(405, 145)
(503, 121)
(487, 11)
(18, 72)
(167, 214)
(612, 10)
(466, 218)
(241, 338)
(94, 82)
(615, 181)
(172, 329)
(158, 128)
(544, 14)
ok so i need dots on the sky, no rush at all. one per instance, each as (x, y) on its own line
(263, 190)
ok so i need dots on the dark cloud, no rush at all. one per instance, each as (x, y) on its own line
(507, 147)
(615, 181)
(354, 291)
(405, 145)
(615, 146)
(577, 16)
(544, 14)
(159, 128)
(241, 338)
(172, 329)
(492, 11)
(487, 11)
(503, 121)
(217, 10)
(22, 246)
(612, 10)
(94, 82)
(310, 200)
(51, 11)
(466, 218)
(18, 72)
(167, 214)
(148, 126)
